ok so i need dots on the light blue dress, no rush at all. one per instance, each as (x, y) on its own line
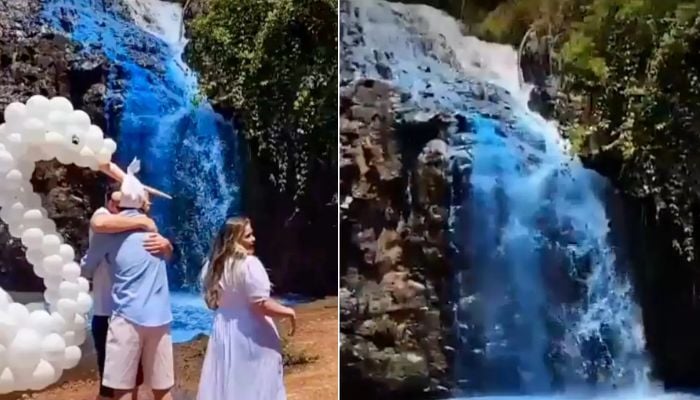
(244, 357)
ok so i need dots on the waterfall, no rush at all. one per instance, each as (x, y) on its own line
(543, 301)
(155, 113)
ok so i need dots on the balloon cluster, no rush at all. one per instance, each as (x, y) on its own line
(37, 344)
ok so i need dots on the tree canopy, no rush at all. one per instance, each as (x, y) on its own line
(274, 62)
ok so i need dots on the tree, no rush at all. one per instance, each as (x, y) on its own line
(275, 63)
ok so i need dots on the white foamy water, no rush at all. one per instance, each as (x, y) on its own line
(425, 48)
(162, 19)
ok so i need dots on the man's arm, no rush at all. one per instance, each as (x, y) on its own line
(96, 252)
(109, 223)
(158, 246)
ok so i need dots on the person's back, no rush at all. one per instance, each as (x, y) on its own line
(140, 290)
(236, 294)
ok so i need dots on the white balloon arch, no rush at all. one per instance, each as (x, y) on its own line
(36, 345)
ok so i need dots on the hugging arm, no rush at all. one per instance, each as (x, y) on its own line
(109, 223)
(158, 246)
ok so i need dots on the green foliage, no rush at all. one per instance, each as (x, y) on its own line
(275, 63)
(637, 65)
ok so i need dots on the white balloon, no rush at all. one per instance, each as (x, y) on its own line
(25, 350)
(69, 337)
(7, 381)
(59, 323)
(52, 281)
(38, 106)
(53, 347)
(34, 130)
(63, 155)
(48, 226)
(8, 328)
(15, 112)
(13, 179)
(69, 290)
(87, 157)
(80, 336)
(35, 256)
(110, 145)
(67, 253)
(94, 138)
(67, 308)
(71, 272)
(42, 376)
(54, 140)
(3, 130)
(51, 244)
(32, 218)
(75, 136)
(33, 237)
(7, 161)
(51, 296)
(72, 357)
(61, 104)
(16, 230)
(103, 156)
(80, 119)
(3, 357)
(16, 212)
(15, 144)
(41, 322)
(26, 167)
(53, 265)
(19, 313)
(84, 302)
(39, 270)
(57, 121)
(5, 300)
(83, 285)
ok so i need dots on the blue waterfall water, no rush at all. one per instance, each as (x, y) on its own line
(543, 302)
(187, 150)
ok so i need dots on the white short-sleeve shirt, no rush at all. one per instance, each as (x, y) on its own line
(102, 281)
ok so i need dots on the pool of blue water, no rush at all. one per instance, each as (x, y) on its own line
(191, 317)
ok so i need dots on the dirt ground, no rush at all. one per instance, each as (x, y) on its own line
(317, 336)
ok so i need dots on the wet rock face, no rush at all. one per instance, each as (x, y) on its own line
(34, 62)
(394, 295)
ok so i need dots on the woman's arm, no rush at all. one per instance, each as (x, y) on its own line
(271, 308)
(108, 223)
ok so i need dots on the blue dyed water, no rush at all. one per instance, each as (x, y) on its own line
(555, 309)
(187, 150)
(542, 304)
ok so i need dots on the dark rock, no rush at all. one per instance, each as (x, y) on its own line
(393, 251)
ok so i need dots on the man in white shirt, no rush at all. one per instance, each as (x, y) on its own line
(105, 220)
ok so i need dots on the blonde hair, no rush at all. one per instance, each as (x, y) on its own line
(225, 257)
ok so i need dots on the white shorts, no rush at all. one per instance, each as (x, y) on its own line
(128, 345)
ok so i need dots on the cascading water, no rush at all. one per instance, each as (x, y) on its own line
(543, 304)
(153, 111)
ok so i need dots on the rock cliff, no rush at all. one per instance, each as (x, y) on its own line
(395, 286)
(33, 61)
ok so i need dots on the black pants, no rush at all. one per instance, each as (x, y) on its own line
(100, 327)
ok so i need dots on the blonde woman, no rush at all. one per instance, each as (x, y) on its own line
(244, 359)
